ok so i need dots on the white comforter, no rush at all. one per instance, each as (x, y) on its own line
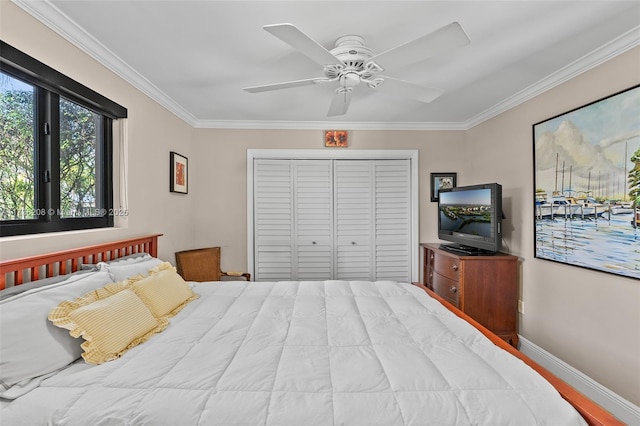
(302, 353)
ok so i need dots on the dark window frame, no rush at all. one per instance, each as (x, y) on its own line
(50, 86)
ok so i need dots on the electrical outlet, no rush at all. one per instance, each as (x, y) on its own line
(521, 306)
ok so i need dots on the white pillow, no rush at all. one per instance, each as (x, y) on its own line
(17, 289)
(130, 258)
(121, 269)
(32, 348)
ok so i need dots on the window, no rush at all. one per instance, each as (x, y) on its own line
(55, 149)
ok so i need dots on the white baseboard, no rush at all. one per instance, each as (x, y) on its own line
(609, 400)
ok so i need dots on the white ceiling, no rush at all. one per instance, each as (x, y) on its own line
(194, 57)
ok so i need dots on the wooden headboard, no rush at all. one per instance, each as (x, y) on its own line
(19, 271)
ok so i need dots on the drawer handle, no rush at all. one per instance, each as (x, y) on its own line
(432, 256)
(313, 242)
(454, 267)
(453, 289)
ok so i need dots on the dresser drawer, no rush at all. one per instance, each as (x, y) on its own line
(429, 278)
(429, 256)
(447, 266)
(447, 288)
(483, 287)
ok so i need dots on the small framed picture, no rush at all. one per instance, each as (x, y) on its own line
(179, 172)
(441, 181)
(336, 138)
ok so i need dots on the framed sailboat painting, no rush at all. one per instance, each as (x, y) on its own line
(587, 185)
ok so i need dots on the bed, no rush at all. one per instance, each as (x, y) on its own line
(313, 353)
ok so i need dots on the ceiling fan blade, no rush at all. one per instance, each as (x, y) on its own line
(284, 85)
(407, 89)
(340, 103)
(291, 35)
(439, 41)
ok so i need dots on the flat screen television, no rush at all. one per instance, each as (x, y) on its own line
(470, 217)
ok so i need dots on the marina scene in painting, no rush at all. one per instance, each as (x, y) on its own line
(587, 186)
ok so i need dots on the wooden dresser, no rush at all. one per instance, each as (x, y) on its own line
(483, 287)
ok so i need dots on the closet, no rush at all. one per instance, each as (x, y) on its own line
(348, 219)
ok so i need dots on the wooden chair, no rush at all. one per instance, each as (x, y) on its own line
(203, 265)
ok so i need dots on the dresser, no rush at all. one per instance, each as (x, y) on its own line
(483, 287)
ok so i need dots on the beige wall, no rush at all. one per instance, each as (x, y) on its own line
(591, 320)
(220, 176)
(152, 133)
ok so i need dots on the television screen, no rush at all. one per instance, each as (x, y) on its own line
(471, 217)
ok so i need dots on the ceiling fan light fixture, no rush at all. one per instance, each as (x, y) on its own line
(350, 79)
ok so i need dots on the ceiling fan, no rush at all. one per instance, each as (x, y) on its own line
(351, 62)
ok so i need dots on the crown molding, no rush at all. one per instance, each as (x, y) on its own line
(591, 60)
(323, 125)
(59, 22)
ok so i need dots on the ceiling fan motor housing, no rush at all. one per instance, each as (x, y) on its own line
(353, 53)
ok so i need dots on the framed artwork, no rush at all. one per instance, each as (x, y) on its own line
(440, 181)
(336, 138)
(587, 185)
(179, 173)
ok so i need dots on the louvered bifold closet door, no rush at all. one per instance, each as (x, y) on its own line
(353, 182)
(273, 220)
(332, 219)
(392, 220)
(313, 206)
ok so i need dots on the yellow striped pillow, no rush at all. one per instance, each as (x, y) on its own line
(112, 320)
(163, 291)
